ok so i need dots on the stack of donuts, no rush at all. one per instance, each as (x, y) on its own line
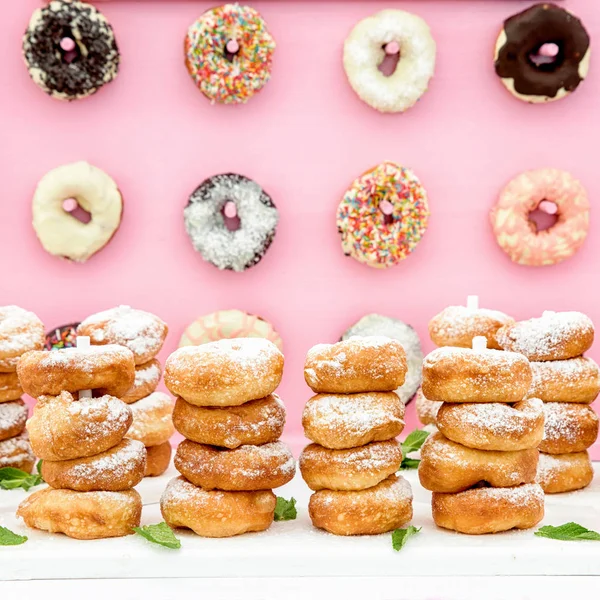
(232, 420)
(20, 332)
(353, 421)
(457, 326)
(144, 334)
(567, 383)
(88, 463)
(481, 465)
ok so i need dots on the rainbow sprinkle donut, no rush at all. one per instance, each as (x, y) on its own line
(383, 216)
(228, 53)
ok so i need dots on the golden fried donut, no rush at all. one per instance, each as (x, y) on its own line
(488, 509)
(494, 426)
(360, 364)
(158, 459)
(225, 373)
(351, 469)
(10, 388)
(147, 378)
(559, 473)
(553, 336)
(140, 331)
(215, 513)
(340, 421)
(568, 428)
(378, 509)
(427, 410)
(63, 428)
(20, 332)
(107, 369)
(450, 467)
(255, 422)
(246, 468)
(13, 416)
(115, 470)
(464, 375)
(458, 325)
(16, 452)
(571, 380)
(152, 419)
(82, 515)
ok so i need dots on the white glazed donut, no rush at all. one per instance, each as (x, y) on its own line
(60, 233)
(364, 52)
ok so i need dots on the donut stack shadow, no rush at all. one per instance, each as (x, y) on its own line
(481, 465)
(568, 383)
(353, 422)
(87, 462)
(232, 420)
(144, 334)
(20, 332)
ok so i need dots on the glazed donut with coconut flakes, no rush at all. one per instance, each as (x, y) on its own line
(247, 468)
(158, 459)
(255, 422)
(568, 428)
(553, 336)
(558, 473)
(16, 452)
(350, 469)
(378, 509)
(365, 49)
(13, 416)
(152, 419)
(224, 373)
(147, 378)
(464, 375)
(360, 364)
(215, 513)
(105, 369)
(489, 510)
(493, 426)
(20, 332)
(427, 410)
(340, 421)
(450, 467)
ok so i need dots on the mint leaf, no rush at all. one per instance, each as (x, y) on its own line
(9, 538)
(414, 441)
(409, 463)
(569, 532)
(11, 479)
(401, 536)
(161, 534)
(285, 510)
(38, 467)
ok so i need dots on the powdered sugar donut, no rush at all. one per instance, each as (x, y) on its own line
(13, 416)
(465, 375)
(568, 428)
(458, 325)
(140, 331)
(378, 325)
(10, 387)
(228, 324)
(553, 336)
(20, 331)
(494, 426)
(147, 378)
(571, 380)
(365, 48)
(158, 459)
(236, 249)
(427, 410)
(16, 452)
(152, 419)
(558, 473)
(518, 236)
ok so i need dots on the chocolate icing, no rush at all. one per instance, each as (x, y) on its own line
(525, 33)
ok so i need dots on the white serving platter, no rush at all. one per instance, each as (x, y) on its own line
(296, 549)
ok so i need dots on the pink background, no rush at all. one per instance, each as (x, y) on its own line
(304, 139)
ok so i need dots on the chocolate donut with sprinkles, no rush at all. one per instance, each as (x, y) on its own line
(235, 249)
(228, 53)
(383, 216)
(70, 49)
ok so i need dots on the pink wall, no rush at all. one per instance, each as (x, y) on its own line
(304, 138)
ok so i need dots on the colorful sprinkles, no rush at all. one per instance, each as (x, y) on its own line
(373, 237)
(62, 337)
(222, 76)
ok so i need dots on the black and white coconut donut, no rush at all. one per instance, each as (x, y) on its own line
(70, 49)
(235, 249)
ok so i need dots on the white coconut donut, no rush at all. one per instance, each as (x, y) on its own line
(60, 233)
(365, 50)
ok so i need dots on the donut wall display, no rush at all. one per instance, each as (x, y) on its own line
(304, 189)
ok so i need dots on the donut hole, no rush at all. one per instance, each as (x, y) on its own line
(389, 63)
(547, 56)
(230, 216)
(68, 48)
(544, 216)
(227, 53)
(72, 207)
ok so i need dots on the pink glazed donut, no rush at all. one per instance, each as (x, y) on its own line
(518, 236)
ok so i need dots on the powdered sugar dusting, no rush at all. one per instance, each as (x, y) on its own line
(12, 414)
(20, 331)
(456, 322)
(15, 451)
(567, 422)
(87, 360)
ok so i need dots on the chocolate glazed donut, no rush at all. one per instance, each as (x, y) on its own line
(521, 39)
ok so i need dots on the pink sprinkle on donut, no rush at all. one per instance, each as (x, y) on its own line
(69, 205)
(392, 48)
(232, 46)
(230, 210)
(67, 44)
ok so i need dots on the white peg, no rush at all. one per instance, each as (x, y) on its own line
(83, 341)
(479, 343)
(473, 302)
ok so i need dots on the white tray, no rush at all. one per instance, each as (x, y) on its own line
(296, 549)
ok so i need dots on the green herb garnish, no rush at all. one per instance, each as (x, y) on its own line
(159, 533)
(401, 536)
(285, 510)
